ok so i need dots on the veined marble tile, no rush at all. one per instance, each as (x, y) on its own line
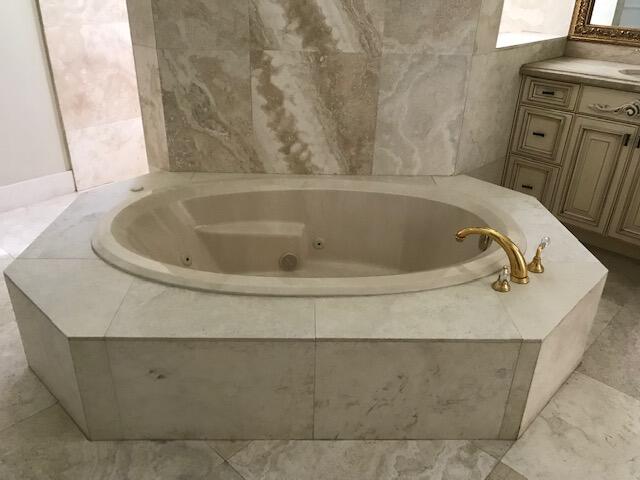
(495, 448)
(434, 26)
(154, 310)
(602, 51)
(20, 227)
(94, 73)
(48, 446)
(207, 110)
(317, 25)
(588, 431)
(314, 113)
(443, 313)
(214, 389)
(150, 92)
(438, 390)
(228, 448)
(107, 153)
(141, 22)
(57, 13)
(202, 24)
(420, 113)
(426, 460)
(614, 357)
(21, 393)
(91, 291)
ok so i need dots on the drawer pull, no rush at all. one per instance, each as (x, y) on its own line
(538, 134)
(548, 92)
(527, 186)
(625, 140)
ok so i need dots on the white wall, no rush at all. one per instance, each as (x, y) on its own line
(31, 140)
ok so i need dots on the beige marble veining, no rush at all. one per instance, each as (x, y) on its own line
(207, 109)
(314, 113)
(603, 51)
(202, 24)
(488, 26)
(141, 22)
(418, 128)
(438, 26)
(228, 390)
(325, 26)
(378, 390)
(107, 153)
(423, 460)
(588, 431)
(94, 73)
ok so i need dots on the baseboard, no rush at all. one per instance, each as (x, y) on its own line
(35, 190)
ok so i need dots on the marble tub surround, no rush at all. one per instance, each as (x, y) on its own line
(353, 87)
(586, 71)
(130, 341)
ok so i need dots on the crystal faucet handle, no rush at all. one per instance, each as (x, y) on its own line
(502, 284)
(545, 242)
(535, 266)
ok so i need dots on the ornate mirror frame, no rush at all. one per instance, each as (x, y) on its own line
(581, 29)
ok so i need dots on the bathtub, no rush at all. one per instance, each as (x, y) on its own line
(302, 237)
(284, 331)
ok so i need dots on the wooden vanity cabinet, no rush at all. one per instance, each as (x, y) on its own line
(578, 156)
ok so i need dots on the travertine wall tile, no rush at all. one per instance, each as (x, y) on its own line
(314, 113)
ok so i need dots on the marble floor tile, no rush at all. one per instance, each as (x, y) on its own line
(19, 227)
(48, 446)
(21, 393)
(330, 460)
(503, 472)
(588, 431)
(228, 448)
(614, 358)
(6, 310)
(495, 448)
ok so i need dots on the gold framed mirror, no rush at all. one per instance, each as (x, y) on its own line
(607, 21)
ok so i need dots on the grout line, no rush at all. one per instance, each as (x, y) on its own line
(38, 412)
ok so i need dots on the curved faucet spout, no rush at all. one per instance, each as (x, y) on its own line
(517, 261)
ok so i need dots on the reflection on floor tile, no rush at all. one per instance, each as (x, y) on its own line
(588, 431)
(18, 228)
(614, 358)
(21, 393)
(319, 460)
(48, 446)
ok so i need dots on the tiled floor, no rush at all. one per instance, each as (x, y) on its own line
(589, 431)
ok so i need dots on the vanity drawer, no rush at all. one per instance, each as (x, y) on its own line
(550, 93)
(533, 178)
(613, 104)
(541, 134)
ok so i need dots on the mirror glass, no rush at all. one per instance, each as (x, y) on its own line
(617, 13)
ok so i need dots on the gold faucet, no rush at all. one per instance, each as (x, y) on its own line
(517, 262)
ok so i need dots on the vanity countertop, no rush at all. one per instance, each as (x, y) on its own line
(590, 72)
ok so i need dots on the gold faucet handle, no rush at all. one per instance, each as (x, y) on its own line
(535, 266)
(502, 284)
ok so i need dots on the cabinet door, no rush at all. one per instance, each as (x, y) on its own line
(533, 178)
(541, 134)
(597, 157)
(625, 224)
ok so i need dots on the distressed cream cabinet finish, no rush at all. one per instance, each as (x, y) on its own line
(577, 149)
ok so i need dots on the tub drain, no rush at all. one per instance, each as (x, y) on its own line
(288, 261)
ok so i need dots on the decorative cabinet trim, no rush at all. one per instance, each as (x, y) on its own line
(631, 109)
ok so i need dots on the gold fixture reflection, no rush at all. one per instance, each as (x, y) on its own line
(502, 284)
(536, 264)
(517, 262)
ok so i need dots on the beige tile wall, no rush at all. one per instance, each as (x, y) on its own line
(402, 87)
(92, 61)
